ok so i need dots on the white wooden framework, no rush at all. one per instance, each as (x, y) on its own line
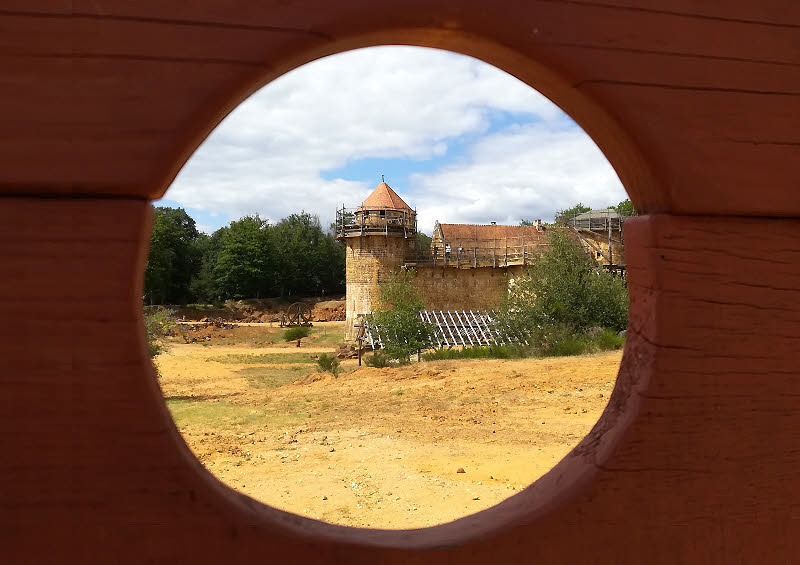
(452, 328)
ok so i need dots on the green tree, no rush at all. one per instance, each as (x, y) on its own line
(246, 259)
(422, 246)
(242, 269)
(309, 261)
(296, 333)
(329, 363)
(402, 331)
(565, 289)
(625, 208)
(173, 258)
(524, 222)
(158, 323)
(297, 239)
(204, 286)
(332, 257)
(569, 213)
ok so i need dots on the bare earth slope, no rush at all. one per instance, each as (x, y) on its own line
(381, 448)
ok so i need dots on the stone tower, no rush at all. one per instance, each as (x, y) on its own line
(379, 236)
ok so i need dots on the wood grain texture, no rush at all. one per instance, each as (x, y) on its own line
(121, 93)
(694, 460)
(695, 104)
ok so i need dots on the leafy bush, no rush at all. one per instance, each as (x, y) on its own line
(158, 324)
(397, 316)
(560, 340)
(296, 334)
(329, 364)
(605, 338)
(378, 359)
(478, 352)
(625, 208)
(565, 289)
(566, 347)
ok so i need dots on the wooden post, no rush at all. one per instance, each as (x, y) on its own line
(523, 249)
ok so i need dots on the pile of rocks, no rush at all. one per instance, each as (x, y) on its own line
(195, 338)
(258, 317)
(211, 322)
(206, 329)
(346, 351)
(329, 311)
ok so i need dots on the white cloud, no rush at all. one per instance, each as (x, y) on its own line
(268, 156)
(205, 228)
(529, 172)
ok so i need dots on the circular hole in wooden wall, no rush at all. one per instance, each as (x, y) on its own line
(340, 179)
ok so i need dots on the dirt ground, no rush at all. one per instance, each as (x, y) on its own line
(393, 448)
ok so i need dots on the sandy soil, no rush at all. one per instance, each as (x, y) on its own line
(382, 448)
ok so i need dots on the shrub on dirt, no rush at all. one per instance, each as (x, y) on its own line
(402, 331)
(560, 340)
(604, 339)
(296, 334)
(566, 347)
(479, 352)
(158, 324)
(378, 360)
(329, 364)
(565, 288)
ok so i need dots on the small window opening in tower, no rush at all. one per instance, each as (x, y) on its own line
(389, 310)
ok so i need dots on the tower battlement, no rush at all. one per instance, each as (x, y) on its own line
(382, 213)
(379, 235)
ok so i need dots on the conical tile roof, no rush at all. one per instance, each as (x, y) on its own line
(383, 197)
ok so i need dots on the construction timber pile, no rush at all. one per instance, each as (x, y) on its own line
(451, 328)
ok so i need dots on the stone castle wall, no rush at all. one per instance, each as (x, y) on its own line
(448, 288)
(371, 260)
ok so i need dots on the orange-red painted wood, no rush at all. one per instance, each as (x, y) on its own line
(695, 104)
(694, 459)
(122, 93)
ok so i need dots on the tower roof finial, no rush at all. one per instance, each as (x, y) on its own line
(382, 179)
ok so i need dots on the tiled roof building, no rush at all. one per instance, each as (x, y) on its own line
(478, 232)
(486, 245)
(383, 197)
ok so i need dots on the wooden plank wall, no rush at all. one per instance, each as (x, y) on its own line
(694, 103)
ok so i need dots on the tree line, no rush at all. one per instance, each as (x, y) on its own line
(624, 209)
(249, 258)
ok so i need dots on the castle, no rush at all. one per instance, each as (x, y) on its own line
(467, 266)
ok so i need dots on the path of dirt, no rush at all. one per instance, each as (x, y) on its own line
(382, 448)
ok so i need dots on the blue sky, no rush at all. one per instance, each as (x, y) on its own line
(399, 170)
(458, 139)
